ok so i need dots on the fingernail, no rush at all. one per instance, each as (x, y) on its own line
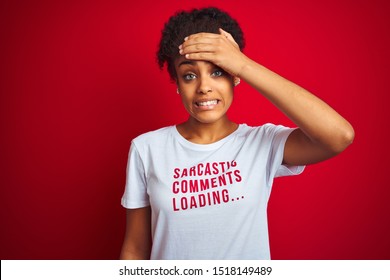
(181, 51)
(186, 38)
(180, 47)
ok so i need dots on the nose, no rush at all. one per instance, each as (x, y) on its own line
(204, 86)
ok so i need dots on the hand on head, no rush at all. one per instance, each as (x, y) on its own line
(219, 49)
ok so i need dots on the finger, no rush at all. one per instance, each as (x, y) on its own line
(228, 36)
(206, 56)
(201, 35)
(196, 48)
(201, 40)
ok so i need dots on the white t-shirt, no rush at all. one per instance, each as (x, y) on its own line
(208, 201)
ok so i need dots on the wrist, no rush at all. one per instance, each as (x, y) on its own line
(244, 68)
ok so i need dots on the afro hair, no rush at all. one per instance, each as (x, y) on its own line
(184, 23)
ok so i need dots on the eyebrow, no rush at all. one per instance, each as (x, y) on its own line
(186, 62)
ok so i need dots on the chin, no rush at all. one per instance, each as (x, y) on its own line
(208, 120)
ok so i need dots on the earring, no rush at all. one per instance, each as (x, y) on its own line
(237, 81)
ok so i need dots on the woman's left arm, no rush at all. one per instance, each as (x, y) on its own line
(322, 132)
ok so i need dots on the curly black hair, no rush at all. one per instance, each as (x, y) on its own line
(183, 24)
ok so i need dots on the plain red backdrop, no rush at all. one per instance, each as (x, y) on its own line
(79, 81)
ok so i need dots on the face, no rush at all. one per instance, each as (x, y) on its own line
(206, 90)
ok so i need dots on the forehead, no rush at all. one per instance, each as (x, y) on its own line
(181, 61)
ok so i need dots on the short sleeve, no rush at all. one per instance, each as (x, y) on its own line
(279, 135)
(135, 195)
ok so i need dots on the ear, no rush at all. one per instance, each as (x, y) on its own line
(177, 86)
(236, 81)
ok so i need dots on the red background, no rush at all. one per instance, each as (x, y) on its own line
(79, 81)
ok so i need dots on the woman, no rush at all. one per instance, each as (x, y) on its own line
(199, 190)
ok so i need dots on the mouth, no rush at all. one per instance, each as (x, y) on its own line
(207, 104)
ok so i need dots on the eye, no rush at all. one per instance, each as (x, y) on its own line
(217, 73)
(189, 77)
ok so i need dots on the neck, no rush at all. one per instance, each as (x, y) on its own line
(206, 133)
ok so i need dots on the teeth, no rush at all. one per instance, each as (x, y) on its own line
(208, 103)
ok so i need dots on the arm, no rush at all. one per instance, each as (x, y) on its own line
(137, 243)
(322, 132)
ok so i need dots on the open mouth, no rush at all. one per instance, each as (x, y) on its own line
(208, 103)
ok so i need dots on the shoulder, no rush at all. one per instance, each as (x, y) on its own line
(152, 138)
(152, 134)
(266, 130)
